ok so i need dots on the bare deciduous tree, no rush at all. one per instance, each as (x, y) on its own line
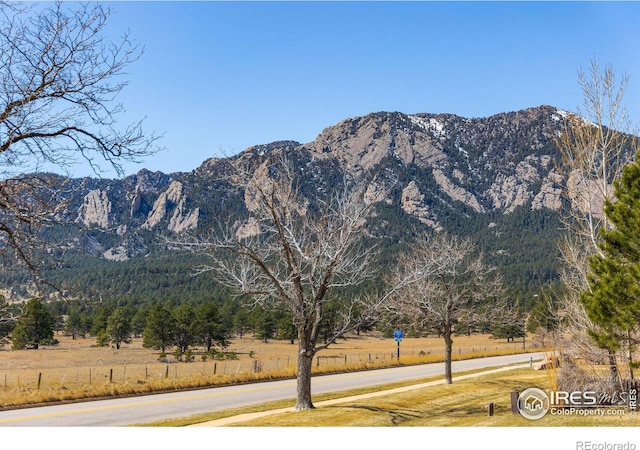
(443, 283)
(596, 143)
(291, 252)
(8, 318)
(59, 77)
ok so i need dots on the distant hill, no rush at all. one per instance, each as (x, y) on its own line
(494, 179)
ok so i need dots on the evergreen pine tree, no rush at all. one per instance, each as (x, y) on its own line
(185, 326)
(34, 327)
(119, 327)
(160, 329)
(613, 300)
(211, 326)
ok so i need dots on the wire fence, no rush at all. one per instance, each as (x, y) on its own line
(30, 380)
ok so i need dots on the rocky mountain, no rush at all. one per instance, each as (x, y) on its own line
(493, 178)
(493, 164)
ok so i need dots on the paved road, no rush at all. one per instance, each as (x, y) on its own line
(151, 408)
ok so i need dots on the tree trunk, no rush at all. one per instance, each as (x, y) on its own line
(303, 399)
(614, 373)
(448, 342)
(630, 355)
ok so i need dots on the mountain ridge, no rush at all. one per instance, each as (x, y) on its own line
(435, 171)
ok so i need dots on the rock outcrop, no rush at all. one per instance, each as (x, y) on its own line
(173, 199)
(436, 168)
(95, 209)
(413, 204)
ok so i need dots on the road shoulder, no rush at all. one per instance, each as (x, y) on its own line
(256, 415)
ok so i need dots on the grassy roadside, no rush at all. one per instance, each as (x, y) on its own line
(270, 406)
(461, 404)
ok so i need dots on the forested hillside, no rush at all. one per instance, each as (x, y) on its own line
(493, 179)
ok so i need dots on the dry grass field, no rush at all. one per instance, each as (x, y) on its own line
(77, 369)
(461, 404)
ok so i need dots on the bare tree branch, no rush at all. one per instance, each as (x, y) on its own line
(293, 251)
(59, 78)
(443, 283)
(596, 144)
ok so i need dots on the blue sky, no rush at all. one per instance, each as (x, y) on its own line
(217, 77)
